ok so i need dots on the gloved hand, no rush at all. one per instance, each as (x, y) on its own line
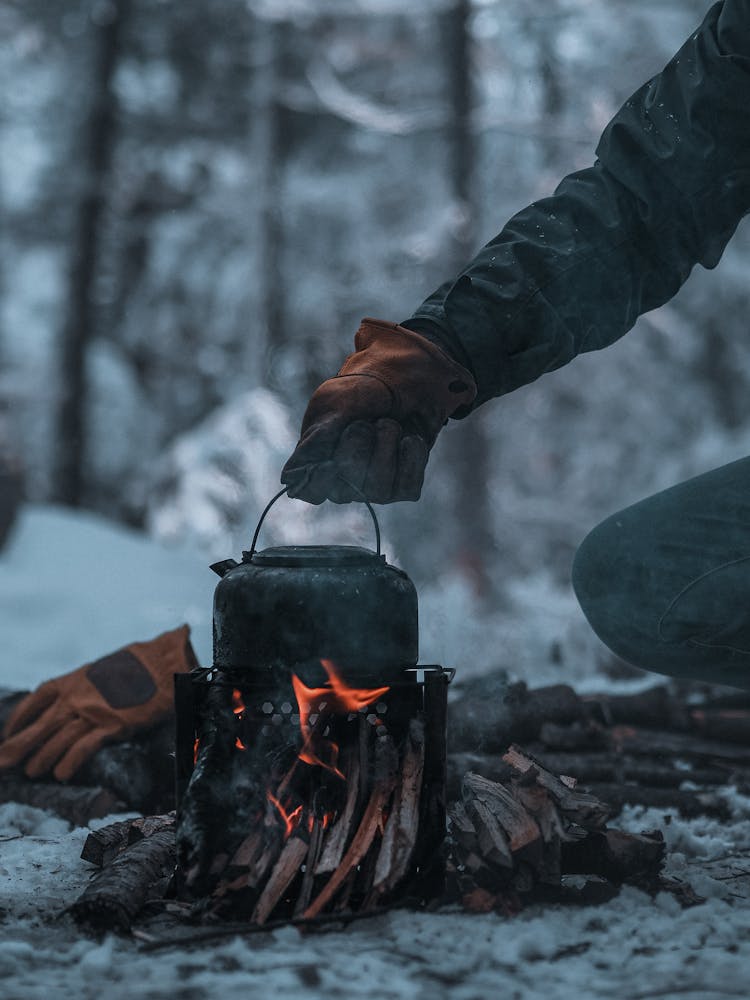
(66, 720)
(374, 423)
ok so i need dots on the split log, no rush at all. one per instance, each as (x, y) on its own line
(75, 803)
(248, 851)
(283, 874)
(337, 837)
(311, 861)
(580, 808)
(139, 772)
(386, 764)
(401, 828)
(116, 895)
(503, 826)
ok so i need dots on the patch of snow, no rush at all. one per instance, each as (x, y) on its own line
(74, 586)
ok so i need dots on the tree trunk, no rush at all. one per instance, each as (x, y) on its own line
(468, 445)
(80, 323)
(270, 139)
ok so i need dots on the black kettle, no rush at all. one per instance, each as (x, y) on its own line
(289, 607)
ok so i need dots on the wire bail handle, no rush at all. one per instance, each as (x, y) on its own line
(281, 493)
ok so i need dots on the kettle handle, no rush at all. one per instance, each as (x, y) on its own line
(281, 493)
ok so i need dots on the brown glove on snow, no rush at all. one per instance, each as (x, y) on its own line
(66, 720)
(373, 424)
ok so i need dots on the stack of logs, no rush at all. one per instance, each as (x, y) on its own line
(508, 841)
(658, 748)
(507, 844)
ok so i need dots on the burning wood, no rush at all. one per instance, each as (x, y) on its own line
(333, 809)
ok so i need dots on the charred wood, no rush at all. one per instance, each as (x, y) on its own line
(283, 874)
(337, 838)
(386, 764)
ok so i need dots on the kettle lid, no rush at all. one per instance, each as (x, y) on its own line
(311, 556)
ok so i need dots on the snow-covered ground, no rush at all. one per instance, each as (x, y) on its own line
(73, 587)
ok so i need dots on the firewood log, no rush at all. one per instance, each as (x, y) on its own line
(77, 804)
(656, 708)
(308, 879)
(283, 874)
(519, 827)
(116, 895)
(400, 834)
(492, 714)
(386, 764)
(616, 855)
(106, 843)
(655, 744)
(102, 845)
(579, 808)
(688, 804)
(338, 836)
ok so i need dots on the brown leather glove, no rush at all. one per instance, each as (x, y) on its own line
(67, 719)
(373, 424)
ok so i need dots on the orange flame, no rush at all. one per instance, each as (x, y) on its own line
(291, 819)
(339, 698)
(196, 747)
(239, 744)
(238, 705)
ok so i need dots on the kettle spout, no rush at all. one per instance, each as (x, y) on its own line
(223, 567)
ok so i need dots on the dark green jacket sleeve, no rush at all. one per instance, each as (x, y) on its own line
(573, 272)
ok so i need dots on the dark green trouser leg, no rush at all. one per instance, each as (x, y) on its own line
(665, 583)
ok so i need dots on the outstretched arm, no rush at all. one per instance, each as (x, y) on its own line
(573, 272)
(568, 274)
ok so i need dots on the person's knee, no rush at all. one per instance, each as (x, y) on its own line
(608, 590)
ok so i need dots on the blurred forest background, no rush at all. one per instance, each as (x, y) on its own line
(201, 200)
